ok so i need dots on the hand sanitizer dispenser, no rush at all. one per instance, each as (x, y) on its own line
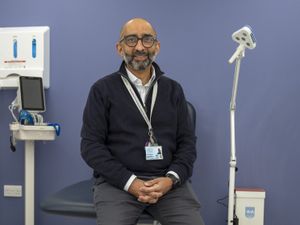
(24, 51)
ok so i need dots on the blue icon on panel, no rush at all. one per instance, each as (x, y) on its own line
(250, 212)
(15, 48)
(34, 48)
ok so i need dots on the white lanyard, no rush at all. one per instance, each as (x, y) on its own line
(141, 108)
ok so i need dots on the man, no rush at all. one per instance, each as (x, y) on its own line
(137, 138)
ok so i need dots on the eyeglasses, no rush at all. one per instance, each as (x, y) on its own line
(132, 40)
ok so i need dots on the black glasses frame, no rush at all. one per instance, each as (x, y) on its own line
(141, 38)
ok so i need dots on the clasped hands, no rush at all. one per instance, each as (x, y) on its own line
(151, 190)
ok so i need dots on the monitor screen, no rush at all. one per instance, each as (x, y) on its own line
(32, 93)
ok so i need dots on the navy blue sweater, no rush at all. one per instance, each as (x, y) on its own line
(114, 132)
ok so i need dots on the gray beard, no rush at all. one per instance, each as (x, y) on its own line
(138, 65)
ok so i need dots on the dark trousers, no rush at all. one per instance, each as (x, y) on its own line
(117, 207)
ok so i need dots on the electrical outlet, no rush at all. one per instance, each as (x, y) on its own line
(12, 190)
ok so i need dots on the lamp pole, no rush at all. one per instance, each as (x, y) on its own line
(233, 164)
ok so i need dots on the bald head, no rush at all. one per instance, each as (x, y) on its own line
(137, 25)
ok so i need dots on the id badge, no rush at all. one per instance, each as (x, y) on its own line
(154, 152)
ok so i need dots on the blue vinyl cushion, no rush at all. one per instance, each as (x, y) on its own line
(74, 200)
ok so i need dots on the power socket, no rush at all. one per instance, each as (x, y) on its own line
(12, 190)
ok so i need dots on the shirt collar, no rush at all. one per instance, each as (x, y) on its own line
(136, 81)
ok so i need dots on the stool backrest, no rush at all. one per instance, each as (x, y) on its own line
(192, 115)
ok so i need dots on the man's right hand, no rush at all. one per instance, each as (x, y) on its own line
(135, 186)
(145, 193)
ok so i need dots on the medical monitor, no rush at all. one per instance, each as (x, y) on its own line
(31, 94)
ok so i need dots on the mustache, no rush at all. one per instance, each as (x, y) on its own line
(140, 53)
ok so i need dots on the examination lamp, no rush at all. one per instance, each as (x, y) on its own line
(245, 38)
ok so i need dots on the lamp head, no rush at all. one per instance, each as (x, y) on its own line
(245, 37)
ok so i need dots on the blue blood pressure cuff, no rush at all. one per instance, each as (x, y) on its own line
(25, 118)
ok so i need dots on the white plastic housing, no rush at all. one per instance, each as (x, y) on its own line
(34, 133)
(244, 36)
(24, 51)
(250, 206)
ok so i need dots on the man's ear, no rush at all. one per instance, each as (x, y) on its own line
(119, 49)
(157, 47)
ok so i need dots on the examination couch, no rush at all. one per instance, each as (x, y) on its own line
(77, 199)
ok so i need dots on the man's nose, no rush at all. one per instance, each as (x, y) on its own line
(139, 45)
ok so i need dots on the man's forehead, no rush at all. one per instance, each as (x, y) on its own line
(138, 27)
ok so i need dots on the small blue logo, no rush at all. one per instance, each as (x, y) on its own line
(250, 212)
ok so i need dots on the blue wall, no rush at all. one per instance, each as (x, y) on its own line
(195, 46)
